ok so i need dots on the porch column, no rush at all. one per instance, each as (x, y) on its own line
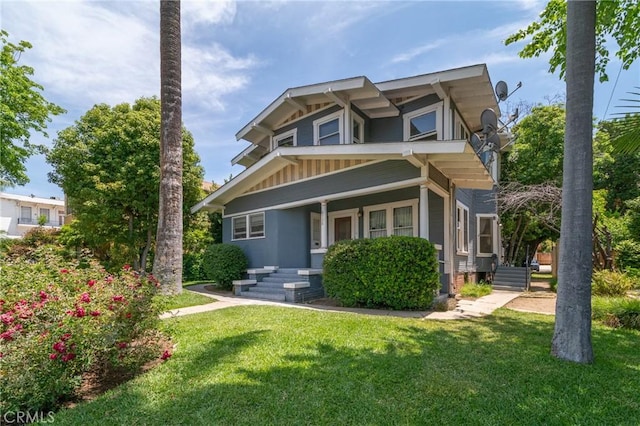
(424, 212)
(324, 228)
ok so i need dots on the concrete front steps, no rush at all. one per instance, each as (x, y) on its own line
(296, 285)
(511, 278)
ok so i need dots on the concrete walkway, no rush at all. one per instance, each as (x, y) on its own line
(465, 308)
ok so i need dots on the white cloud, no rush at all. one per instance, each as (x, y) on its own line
(417, 51)
(207, 12)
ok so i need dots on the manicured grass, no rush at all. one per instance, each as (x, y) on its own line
(182, 300)
(190, 283)
(541, 276)
(258, 365)
(475, 290)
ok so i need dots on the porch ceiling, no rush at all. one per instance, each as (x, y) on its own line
(456, 159)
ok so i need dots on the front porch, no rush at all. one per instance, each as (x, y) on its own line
(294, 285)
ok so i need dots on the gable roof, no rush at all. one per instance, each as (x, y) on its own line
(470, 89)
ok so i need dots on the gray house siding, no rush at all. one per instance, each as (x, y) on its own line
(358, 178)
(304, 135)
(391, 129)
(436, 234)
(286, 243)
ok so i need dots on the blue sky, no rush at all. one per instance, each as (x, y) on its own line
(239, 56)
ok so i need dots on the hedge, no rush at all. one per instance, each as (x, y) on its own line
(392, 272)
(224, 263)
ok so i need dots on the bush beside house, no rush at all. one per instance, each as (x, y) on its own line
(224, 263)
(392, 272)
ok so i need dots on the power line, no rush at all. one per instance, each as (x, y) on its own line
(612, 92)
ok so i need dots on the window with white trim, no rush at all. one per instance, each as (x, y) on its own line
(462, 228)
(487, 234)
(316, 230)
(391, 219)
(424, 123)
(247, 226)
(357, 129)
(25, 214)
(460, 130)
(328, 130)
(289, 138)
(46, 213)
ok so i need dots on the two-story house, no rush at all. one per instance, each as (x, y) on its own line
(352, 159)
(20, 213)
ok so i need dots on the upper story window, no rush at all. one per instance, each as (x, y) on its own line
(289, 138)
(460, 130)
(357, 129)
(46, 213)
(328, 130)
(423, 124)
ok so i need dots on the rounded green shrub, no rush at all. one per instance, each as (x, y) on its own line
(610, 283)
(224, 263)
(391, 272)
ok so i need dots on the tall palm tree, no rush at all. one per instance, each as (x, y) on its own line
(572, 333)
(628, 139)
(167, 265)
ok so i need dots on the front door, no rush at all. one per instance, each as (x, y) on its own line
(342, 229)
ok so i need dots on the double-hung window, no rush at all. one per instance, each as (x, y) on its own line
(391, 219)
(328, 130)
(487, 235)
(424, 123)
(248, 226)
(46, 213)
(288, 138)
(462, 228)
(25, 214)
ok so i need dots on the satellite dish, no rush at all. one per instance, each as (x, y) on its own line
(489, 121)
(502, 91)
(493, 142)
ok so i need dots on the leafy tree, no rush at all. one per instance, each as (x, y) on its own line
(167, 266)
(108, 165)
(531, 176)
(23, 109)
(614, 19)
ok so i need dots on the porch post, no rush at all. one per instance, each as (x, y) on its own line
(424, 212)
(323, 225)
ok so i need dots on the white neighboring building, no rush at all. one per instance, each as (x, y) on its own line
(20, 213)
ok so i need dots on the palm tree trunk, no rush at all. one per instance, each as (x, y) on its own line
(572, 334)
(167, 265)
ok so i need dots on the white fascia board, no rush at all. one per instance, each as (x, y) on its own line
(437, 77)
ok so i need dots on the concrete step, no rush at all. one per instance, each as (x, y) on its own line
(265, 294)
(508, 287)
(292, 271)
(270, 284)
(284, 276)
(272, 279)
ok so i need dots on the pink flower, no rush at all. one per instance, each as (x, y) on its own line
(7, 335)
(122, 345)
(43, 296)
(7, 318)
(80, 312)
(128, 315)
(94, 313)
(65, 337)
(91, 283)
(118, 298)
(165, 355)
(53, 356)
(68, 357)
(109, 279)
(126, 267)
(64, 271)
(59, 347)
(85, 298)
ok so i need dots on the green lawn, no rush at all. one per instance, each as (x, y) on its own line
(259, 365)
(182, 300)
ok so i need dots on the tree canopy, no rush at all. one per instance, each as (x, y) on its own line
(618, 20)
(23, 109)
(107, 163)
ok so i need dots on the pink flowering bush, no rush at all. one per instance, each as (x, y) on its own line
(58, 320)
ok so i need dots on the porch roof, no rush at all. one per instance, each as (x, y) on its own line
(455, 158)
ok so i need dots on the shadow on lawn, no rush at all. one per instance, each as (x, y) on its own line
(494, 370)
